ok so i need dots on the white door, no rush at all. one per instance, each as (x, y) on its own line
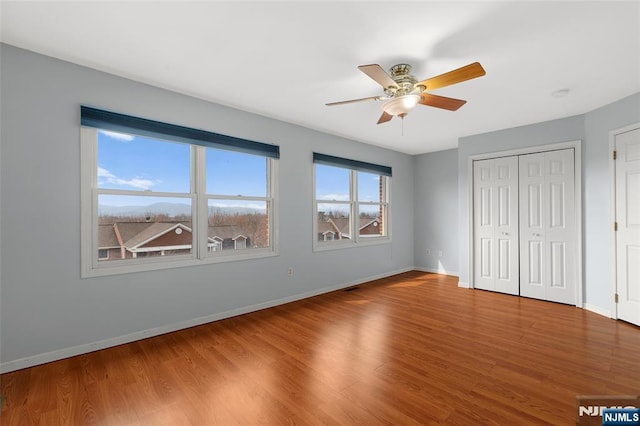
(496, 224)
(547, 229)
(627, 166)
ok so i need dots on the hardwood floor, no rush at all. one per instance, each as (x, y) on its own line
(409, 349)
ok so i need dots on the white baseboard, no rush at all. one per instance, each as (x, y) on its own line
(6, 367)
(463, 284)
(597, 309)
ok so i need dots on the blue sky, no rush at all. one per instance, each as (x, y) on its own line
(138, 163)
(368, 187)
(332, 183)
(142, 164)
(234, 173)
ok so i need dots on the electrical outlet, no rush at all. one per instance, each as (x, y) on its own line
(428, 252)
(290, 272)
(440, 253)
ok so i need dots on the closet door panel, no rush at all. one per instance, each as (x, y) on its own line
(561, 230)
(496, 225)
(532, 205)
(547, 231)
(483, 217)
(506, 225)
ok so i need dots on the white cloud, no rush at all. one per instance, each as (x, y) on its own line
(117, 136)
(137, 183)
(104, 173)
(335, 197)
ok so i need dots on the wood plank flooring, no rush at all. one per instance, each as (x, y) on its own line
(409, 349)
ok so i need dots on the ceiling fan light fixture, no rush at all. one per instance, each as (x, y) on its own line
(401, 105)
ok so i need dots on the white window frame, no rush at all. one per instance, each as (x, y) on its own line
(355, 239)
(200, 253)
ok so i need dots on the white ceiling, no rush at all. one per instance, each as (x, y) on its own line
(287, 59)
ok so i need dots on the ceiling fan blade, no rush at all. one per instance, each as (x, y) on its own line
(441, 102)
(465, 73)
(384, 117)
(371, 98)
(379, 75)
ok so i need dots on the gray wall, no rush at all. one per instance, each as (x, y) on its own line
(436, 211)
(46, 307)
(593, 129)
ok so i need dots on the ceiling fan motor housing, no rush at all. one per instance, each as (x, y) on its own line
(401, 74)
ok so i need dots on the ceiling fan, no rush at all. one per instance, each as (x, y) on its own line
(402, 91)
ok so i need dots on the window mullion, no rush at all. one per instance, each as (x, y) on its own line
(355, 219)
(272, 195)
(200, 236)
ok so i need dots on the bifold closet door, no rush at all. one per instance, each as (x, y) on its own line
(547, 227)
(495, 207)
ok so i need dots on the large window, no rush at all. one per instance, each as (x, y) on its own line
(155, 195)
(351, 202)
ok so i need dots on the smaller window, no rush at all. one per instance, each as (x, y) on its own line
(103, 254)
(350, 202)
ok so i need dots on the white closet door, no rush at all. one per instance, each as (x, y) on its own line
(628, 218)
(496, 225)
(483, 223)
(547, 227)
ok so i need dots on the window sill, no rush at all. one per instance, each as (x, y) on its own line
(124, 267)
(339, 245)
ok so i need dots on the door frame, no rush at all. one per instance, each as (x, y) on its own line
(577, 147)
(613, 249)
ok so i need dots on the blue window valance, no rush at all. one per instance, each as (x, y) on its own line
(107, 120)
(329, 160)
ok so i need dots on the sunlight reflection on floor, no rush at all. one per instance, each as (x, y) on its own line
(358, 302)
(406, 284)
